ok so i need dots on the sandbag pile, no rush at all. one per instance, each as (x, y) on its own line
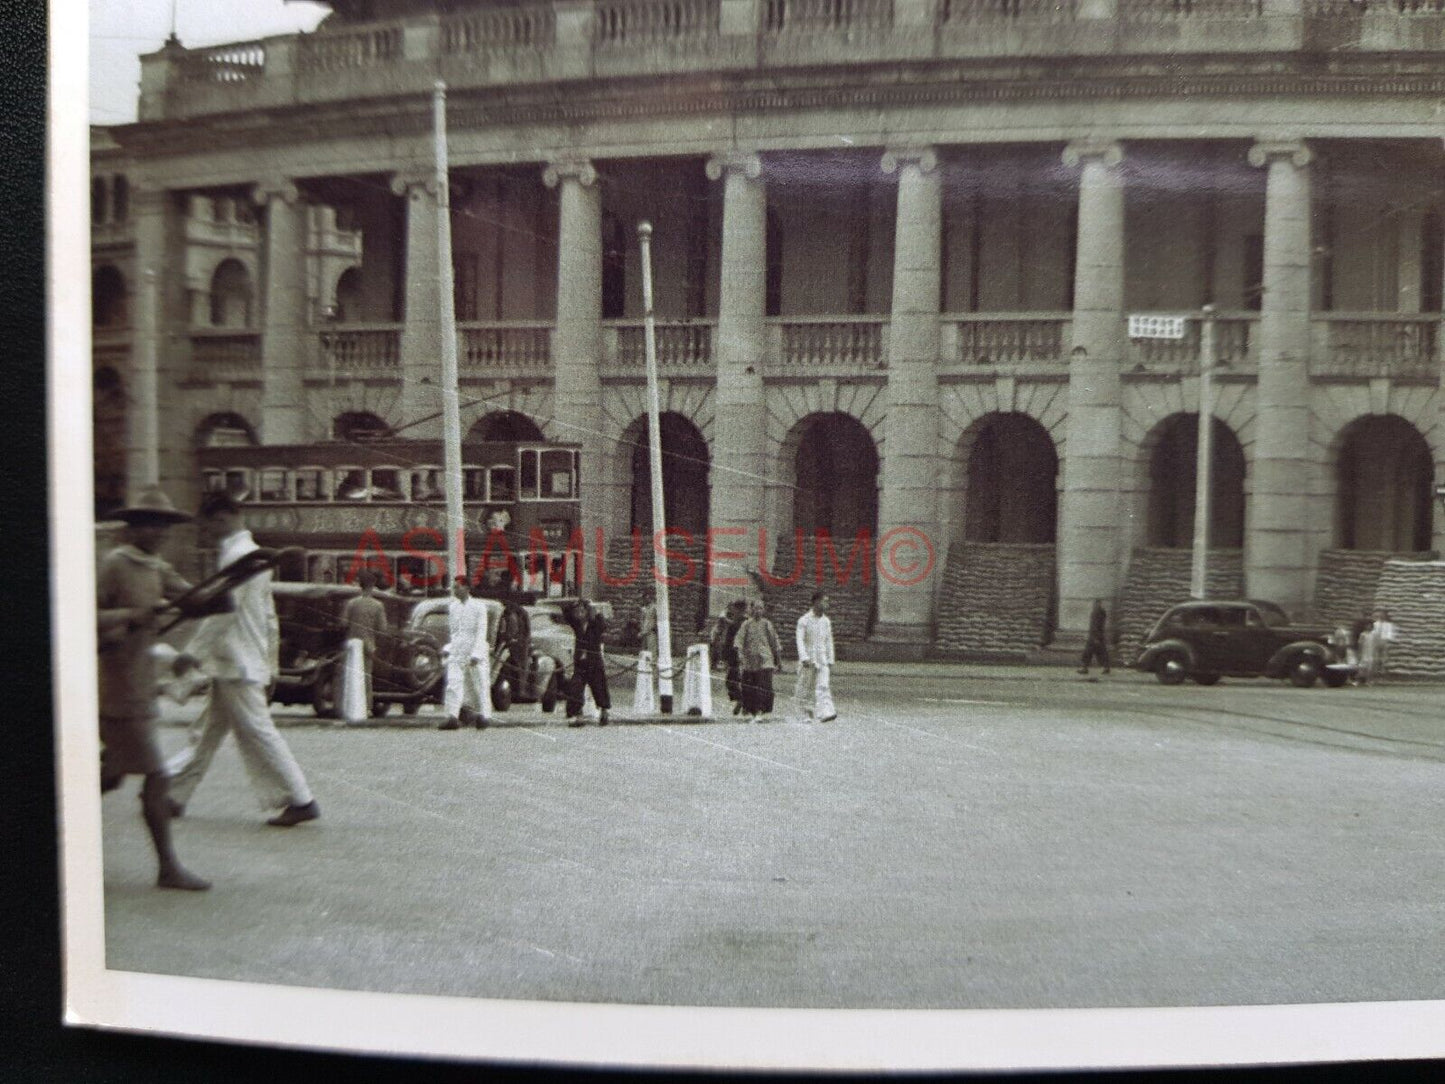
(996, 599)
(1159, 578)
(1346, 583)
(1413, 591)
(851, 606)
(687, 602)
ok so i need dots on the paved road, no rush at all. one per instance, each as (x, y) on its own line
(960, 838)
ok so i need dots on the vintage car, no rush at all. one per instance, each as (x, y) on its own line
(407, 669)
(1205, 640)
(529, 654)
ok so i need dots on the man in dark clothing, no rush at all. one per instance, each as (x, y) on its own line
(589, 671)
(1096, 647)
(725, 652)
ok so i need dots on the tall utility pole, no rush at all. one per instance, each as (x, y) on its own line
(1203, 450)
(654, 450)
(447, 321)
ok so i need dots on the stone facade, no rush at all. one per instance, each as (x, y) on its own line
(895, 247)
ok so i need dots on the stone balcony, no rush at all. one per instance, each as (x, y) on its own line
(684, 348)
(224, 356)
(1370, 345)
(988, 343)
(541, 42)
(1235, 348)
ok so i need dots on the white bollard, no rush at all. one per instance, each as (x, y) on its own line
(697, 682)
(644, 702)
(350, 685)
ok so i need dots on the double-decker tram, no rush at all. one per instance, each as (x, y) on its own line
(380, 504)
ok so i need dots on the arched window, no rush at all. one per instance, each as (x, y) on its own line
(836, 477)
(108, 302)
(359, 425)
(1385, 475)
(348, 296)
(1012, 491)
(224, 430)
(685, 462)
(505, 425)
(1171, 484)
(231, 295)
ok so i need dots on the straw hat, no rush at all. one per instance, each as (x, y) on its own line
(151, 506)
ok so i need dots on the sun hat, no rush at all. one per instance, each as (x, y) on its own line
(151, 506)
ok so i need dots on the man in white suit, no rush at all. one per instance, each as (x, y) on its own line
(468, 671)
(239, 650)
(814, 691)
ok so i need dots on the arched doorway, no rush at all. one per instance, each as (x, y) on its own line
(685, 460)
(836, 477)
(108, 416)
(348, 296)
(108, 306)
(1172, 456)
(359, 425)
(1385, 473)
(1012, 493)
(231, 295)
(505, 425)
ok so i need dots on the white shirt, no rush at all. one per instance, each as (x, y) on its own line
(466, 628)
(242, 645)
(815, 639)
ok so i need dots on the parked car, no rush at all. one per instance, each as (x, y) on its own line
(1206, 640)
(529, 657)
(407, 669)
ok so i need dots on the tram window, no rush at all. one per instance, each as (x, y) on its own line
(310, 484)
(386, 484)
(238, 484)
(474, 484)
(557, 474)
(321, 568)
(504, 485)
(351, 484)
(414, 574)
(213, 481)
(529, 474)
(271, 485)
(426, 484)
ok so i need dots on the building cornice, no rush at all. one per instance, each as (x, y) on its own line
(861, 87)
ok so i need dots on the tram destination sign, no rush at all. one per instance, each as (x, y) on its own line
(1156, 327)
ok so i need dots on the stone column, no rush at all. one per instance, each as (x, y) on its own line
(1089, 535)
(421, 344)
(577, 339)
(284, 330)
(1277, 546)
(153, 447)
(740, 453)
(909, 547)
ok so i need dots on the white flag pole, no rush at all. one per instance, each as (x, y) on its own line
(447, 321)
(654, 449)
(1203, 449)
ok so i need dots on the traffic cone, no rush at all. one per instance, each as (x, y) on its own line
(643, 700)
(351, 706)
(697, 682)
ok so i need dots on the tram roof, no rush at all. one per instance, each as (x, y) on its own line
(394, 452)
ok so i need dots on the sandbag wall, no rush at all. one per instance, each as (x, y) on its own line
(1347, 580)
(632, 586)
(1413, 591)
(996, 599)
(1158, 578)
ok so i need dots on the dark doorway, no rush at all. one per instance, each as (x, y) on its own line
(684, 476)
(1171, 485)
(1386, 473)
(837, 477)
(505, 425)
(1012, 482)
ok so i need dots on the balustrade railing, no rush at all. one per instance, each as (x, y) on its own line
(1376, 345)
(822, 342)
(225, 354)
(988, 339)
(791, 16)
(1233, 345)
(532, 26)
(653, 22)
(345, 348)
(237, 63)
(1145, 11)
(682, 345)
(504, 347)
(337, 51)
(976, 11)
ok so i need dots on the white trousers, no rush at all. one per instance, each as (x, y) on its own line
(467, 685)
(814, 691)
(239, 707)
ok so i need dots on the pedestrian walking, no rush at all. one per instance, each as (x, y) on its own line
(133, 583)
(589, 670)
(760, 653)
(239, 650)
(814, 691)
(465, 697)
(723, 647)
(364, 618)
(1375, 646)
(1096, 645)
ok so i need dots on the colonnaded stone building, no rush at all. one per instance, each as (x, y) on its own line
(897, 244)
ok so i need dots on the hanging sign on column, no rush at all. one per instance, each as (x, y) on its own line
(1156, 327)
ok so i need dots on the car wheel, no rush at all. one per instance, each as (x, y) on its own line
(549, 694)
(411, 707)
(379, 708)
(323, 702)
(1171, 668)
(1304, 670)
(502, 695)
(1206, 679)
(1335, 679)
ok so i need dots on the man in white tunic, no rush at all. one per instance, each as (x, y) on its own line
(468, 670)
(239, 650)
(814, 691)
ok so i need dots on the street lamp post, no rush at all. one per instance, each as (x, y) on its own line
(654, 453)
(1202, 453)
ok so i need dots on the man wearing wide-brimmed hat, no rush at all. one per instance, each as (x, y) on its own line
(132, 585)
